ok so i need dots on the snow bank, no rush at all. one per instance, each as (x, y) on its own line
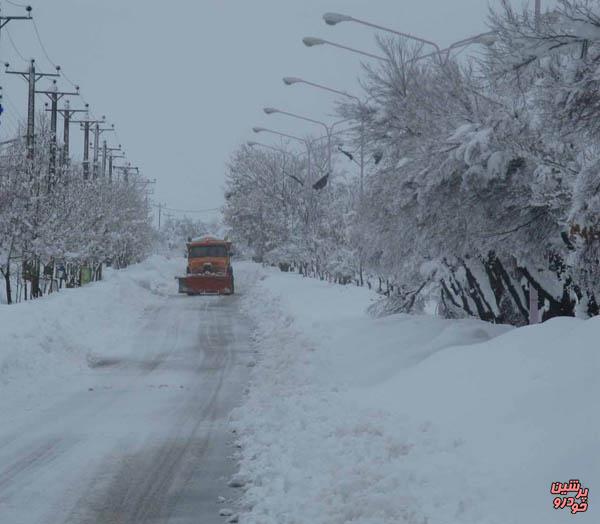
(413, 419)
(63, 333)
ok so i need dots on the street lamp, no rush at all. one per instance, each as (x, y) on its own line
(485, 39)
(337, 18)
(251, 143)
(291, 137)
(311, 41)
(328, 129)
(291, 80)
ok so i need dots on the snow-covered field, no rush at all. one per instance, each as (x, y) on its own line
(351, 419)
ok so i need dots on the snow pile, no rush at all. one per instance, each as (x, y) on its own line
(410, 419)
(65, 332)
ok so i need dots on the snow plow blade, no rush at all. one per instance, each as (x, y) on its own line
(206, 284)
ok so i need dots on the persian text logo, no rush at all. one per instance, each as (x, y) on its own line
(570, 495)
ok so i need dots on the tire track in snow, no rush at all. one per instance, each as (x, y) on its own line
(149, 485)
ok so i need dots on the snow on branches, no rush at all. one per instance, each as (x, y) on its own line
(484, 170)
(49, 224)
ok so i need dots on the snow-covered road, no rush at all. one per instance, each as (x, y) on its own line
(139, 435)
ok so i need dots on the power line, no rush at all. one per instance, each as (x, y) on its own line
(62, 71)
(12, 43)
(174, 210)
(39, 39)
(48, 58)
(52, 62)
(16, 4)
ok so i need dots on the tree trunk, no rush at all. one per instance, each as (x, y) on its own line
(6, 275)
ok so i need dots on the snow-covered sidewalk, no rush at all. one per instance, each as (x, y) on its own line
(414, 419)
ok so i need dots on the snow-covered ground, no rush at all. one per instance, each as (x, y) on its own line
(414, 419)
(60, 335)
(115, 398)
(348, 419)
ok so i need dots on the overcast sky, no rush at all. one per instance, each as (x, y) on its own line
(185, 80)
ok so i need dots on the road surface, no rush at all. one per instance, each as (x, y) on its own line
(144, 439)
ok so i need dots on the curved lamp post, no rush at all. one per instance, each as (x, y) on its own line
(311, 41)
(251, 143)
(337, 18)
(291, 137)
(483, 38)
(291, 80)
(328, 129)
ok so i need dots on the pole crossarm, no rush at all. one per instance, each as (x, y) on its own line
(85, 121)
(54, 92)
(25, 74)
(127, 168)
(5, 19)
(69, 111)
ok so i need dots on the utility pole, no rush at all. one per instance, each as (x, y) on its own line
(125, 169)
(86, 123)
(55, 95)
(111, 157)
(159, 214)
(31, 76)
(67, 113)
(104, 158)
(538, 13)
(146, 182)
(97, 132)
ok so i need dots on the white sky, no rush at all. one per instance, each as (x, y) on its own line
(185, 80)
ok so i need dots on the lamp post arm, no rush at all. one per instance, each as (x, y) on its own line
(306, 119)
(331, 90)
(352, 50)
(399, 33)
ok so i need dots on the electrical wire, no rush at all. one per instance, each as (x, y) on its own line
(12, 104)
(62, 71)
(39, 39)
(9, 127)
(12, 43)
(52, 62)
(10, 122)
(173, 210)
(16, 4)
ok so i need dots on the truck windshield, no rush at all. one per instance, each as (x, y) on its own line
(207, 251)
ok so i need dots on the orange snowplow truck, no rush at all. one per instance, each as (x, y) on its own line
(209, 270)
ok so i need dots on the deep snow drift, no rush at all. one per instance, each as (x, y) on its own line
(410, 418)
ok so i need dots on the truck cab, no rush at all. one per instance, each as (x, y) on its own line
(209, 270)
